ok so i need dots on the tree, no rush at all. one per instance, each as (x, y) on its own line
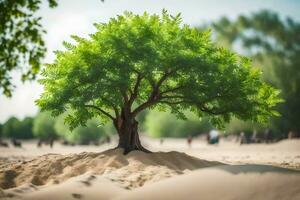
(11, 127)
(248, 127)
(26, 128)
(167, 125)
(151, 61)
(43, 126)
(274, 44)
(82, 135)
(14, 128)
(21, 40)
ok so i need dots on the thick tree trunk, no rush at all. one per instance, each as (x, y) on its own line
(128, 136)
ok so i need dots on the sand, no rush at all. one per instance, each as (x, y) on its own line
(86, 186)
(66, 174)
(226, 183)
(130, 171)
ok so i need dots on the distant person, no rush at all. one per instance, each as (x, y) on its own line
(108, 139)
(3, 144)
(292, 134)
(208, 138)
(51, 142)
(189, 141)
(243, 139)
(96, 143)
(16, 143)
(40, 142)
(268, 135)
(161, 141)
(254, 137)
(213, 137)
(65, 142)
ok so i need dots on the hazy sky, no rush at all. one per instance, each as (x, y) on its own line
(77, 17)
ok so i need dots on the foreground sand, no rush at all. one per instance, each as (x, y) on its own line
(163, 175)
(226, 183)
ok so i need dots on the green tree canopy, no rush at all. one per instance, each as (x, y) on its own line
(43, 126)
(26, 128)
(14, 128)
(152, 61)
(11, 127)
(21, 40)
(274, 44)
(82, 135)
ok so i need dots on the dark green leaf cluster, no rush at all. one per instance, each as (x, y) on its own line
(137, 62)
(21, 40)
(82, 135)
(18, 129)
(43, 126)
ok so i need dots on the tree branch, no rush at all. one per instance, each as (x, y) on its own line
(172, 89)
(100, 110)
(172, 97)
(214, 112)
(135, 89)
(142, 107)
(125, 97)
(155, 95)
(173, 103)
(164, 77)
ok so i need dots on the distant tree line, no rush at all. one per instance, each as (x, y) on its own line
(45, 127)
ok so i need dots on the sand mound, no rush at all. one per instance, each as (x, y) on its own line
(130, 171)
(224, 182)
(86, 186)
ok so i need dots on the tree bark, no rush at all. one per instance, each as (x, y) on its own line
(128, 135)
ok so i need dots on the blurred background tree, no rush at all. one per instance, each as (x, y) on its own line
(26, 126)
(11, 127)
(274, 45)
(92, 132)
(1, 130)
(165, 124)
(14, 128)
(21, 40)
(236, 126)
(43, 126)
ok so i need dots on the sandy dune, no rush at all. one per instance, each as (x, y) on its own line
(225, 182)
(86, 186)
(109, 175)
(130, 171)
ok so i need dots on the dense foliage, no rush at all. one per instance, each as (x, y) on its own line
(167, 125)
(14, 128)
(134, 62)
(43, 126)
(21, 40)
(274, 44)
(82, 135)
(248, 127)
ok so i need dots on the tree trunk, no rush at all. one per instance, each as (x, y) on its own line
(128, 136)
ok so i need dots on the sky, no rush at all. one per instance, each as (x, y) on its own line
(76, 17)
